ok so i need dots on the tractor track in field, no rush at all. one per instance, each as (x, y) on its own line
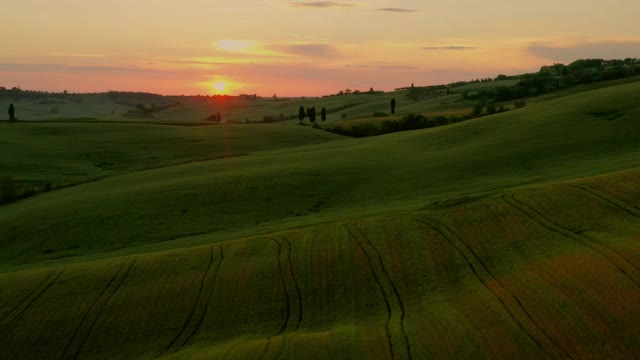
(610, 199)
(284, 243)
(100, 304)
(26, 303)
(543, 340)
(85, 317)
(33, 290)
(199, 310)
(284, 326)
(266, 350)
(606, 252)
(390, 292)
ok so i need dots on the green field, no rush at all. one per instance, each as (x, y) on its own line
(509, 236)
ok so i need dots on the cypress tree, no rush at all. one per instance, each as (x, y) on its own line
(12, 113)
(301, 114)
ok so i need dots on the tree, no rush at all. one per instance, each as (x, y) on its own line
(477, 110)
(311, 113)
(323, 114)
(393, 106)
(12, 113)
(301, 114)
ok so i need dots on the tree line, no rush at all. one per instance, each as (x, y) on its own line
(558, 76)
(310, 113)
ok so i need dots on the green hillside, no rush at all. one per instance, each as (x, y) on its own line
(509, 236)
(63, 154)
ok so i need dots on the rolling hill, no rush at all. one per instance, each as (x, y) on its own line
(511, 235)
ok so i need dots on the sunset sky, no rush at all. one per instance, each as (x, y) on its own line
(297, 47)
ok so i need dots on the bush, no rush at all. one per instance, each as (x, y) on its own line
(390, 126)
(364, 130)
(379, 114)
(413, 121)
(477, 110)
(8, 191)
(519, 104)
(441, 120)
(408, 122)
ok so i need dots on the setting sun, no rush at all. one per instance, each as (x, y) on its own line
(220, 86)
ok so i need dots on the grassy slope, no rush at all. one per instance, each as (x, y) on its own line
(488, 278)
(464, 268)
(101, 107)
(69, 153)
(346, 177)
(97, 106)
(354, 107)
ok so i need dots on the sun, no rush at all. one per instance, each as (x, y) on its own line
(220, 86)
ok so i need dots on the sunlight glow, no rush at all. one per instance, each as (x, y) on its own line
(220, 86)
(236, 46)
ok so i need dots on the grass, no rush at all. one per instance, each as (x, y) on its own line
(70, 153)
(512, 235)
(489, 279)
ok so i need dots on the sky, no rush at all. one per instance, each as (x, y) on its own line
(298, 48)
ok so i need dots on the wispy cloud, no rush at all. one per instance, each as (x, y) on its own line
(73, 68)
(315, 50)
(449, 47)
(320, 4)
(398, 10)
(381, 67)
(77, 55)
(600, 49)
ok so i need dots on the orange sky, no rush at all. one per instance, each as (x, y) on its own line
(298, 47)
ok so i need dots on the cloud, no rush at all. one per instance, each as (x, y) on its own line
(320, 4)
(398, 10)
(314, 50)
(72, 68)
(601, 49)
(381, 66)
(450, 47)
